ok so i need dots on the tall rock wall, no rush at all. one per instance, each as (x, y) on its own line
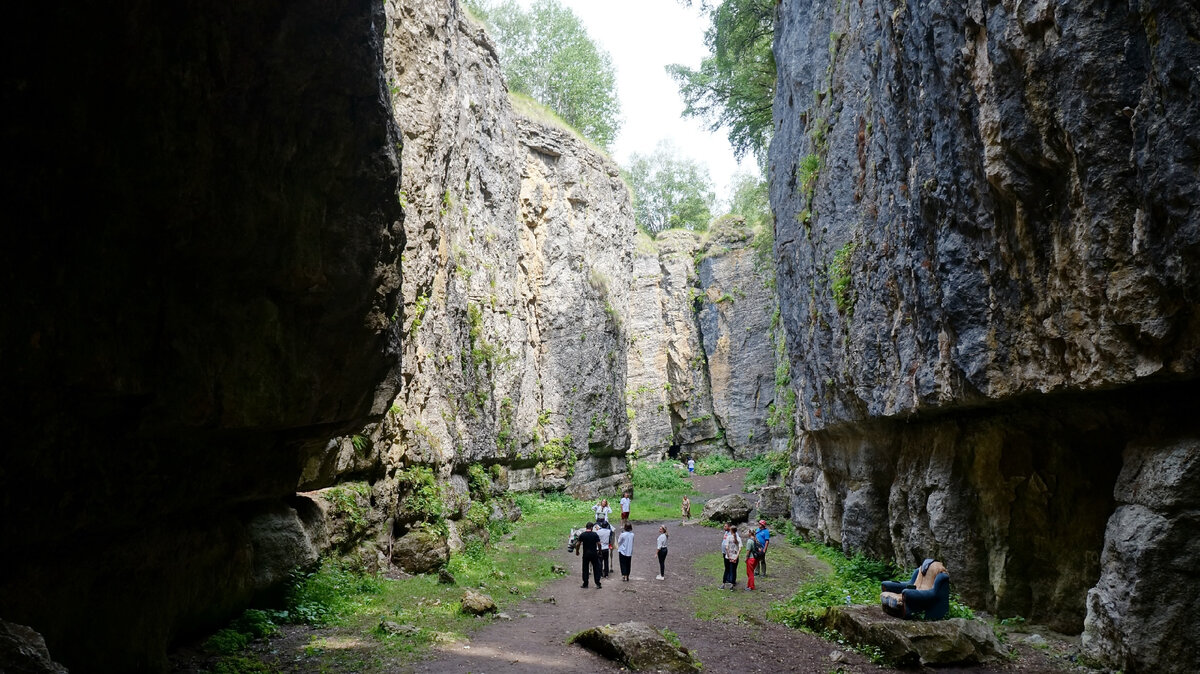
(988, 249)
(702, 346)
(519, 250)
(200, 266)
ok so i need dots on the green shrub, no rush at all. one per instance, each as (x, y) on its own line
(711, 465)
(320, 597)
(227, 641)
(765, 467)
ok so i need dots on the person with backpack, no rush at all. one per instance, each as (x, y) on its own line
(731, 550)
(604, 531)
(754, 552)
(764, 541)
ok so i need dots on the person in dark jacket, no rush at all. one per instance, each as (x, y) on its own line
(589, 544)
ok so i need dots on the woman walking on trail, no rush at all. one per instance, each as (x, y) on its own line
(753, 555)
(687, 508)
(625, 550)
(662, 552)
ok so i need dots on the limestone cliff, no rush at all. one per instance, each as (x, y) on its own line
(988, 249)
(200, 266)
(519, 250)
(702, 353)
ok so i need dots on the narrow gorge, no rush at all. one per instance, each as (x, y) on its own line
(304, 281)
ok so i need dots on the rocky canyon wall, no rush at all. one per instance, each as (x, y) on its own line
(200, 266)
(702, 345)
(988, 250)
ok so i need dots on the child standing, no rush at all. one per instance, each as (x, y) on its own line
(625, 508)
(687, 508)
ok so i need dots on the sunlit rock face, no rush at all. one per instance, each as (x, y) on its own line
(988, 252)
(520, 248)
(200, 264)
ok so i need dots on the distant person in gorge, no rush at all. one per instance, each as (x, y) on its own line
(625, 500)
(753, 557)
(602, 511)
(764, 541)
(661, 546)
(604, 531)
(731, 552)
(691, 465)
(589, 543)
(625, 550)
(687, 508)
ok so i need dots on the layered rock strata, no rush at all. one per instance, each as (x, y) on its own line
(201, 266)
(988, 249)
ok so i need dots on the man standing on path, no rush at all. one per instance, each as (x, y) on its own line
(764, 540)
(589, 542)
(604, 531)
(625, 508)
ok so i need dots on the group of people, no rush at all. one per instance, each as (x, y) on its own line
(595, 544)
(755, 543)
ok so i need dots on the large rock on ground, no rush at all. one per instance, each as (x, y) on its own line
(23, 650)
(730, 508)
(477, 603)
(773, 501)
(420, 551)
(1139, 617)
(910, 643)
(638, 646)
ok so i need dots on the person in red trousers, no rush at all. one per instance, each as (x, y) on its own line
(753, 555)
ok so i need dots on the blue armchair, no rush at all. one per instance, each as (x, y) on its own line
(927, 593)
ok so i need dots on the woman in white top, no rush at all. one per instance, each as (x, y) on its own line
(662, 552)
(602, 511)
(625, 550)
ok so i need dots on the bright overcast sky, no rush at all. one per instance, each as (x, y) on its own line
(643, 36)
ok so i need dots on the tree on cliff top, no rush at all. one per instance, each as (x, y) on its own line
(547, 54)
(735, 85)
(669, 190)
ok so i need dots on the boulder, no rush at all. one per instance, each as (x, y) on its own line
(773, 502)
(730, 508)
(389, 627)
(23, 650)
(637, 646)
(445, 577)
(911, 643)
(477, 603)
(420, 551)
(505, 509)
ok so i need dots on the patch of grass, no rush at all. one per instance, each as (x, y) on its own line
(661, 476)
(711, 465)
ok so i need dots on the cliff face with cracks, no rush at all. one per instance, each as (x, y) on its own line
(519, 250)
(988, 250)
(702, 346)
(200, 270)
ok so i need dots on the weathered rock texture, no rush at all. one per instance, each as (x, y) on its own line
(988, 248)
(200, 265)
(638, 646)
(916, 643)
(702, 345)
(520, 242)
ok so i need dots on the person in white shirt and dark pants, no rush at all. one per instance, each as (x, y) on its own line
(661, 545)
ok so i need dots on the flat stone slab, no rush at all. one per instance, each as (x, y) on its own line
(911, 643)
(637, 646)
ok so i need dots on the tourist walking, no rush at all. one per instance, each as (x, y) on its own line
(691, 465)
(589, 543)
(753, 557)
(625, 550)
(625, 507)
(731, 551)
(604, 531)
(687, 508)
(764, 540)
(661, 545)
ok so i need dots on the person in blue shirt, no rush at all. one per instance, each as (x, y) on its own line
(764, 539)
